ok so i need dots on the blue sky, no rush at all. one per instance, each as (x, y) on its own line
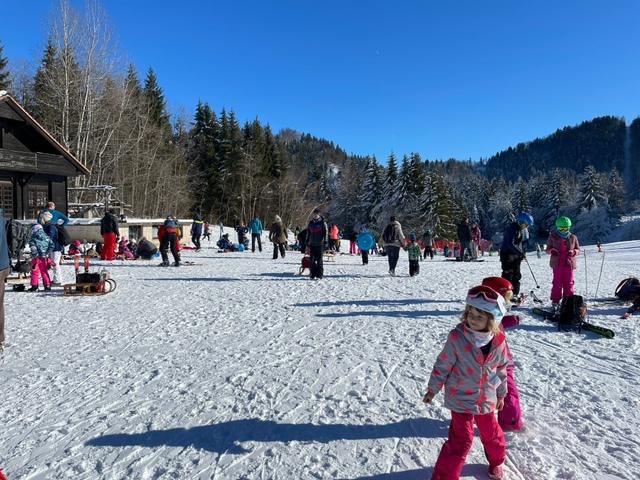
(460, 79)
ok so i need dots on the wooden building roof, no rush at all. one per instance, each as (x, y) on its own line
(28, 118)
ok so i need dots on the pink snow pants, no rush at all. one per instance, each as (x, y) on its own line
(39, 267)
(510, 417)
(562, 281)
(455, 449)
(353, 248)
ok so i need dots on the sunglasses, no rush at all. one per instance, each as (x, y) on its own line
(481, 290)
(563, 229)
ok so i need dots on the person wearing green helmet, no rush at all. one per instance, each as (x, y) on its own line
(564, 248)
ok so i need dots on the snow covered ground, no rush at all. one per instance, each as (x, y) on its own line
(237, 368)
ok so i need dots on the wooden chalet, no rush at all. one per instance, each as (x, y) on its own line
(34, 167)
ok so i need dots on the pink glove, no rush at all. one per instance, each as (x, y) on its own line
(510, 321)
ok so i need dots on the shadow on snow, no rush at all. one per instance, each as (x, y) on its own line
(382, 302)
(227, 436)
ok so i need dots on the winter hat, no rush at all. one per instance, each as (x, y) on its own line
(412, 237)
(46, 217)
(278, 219)
(525, 218)
(36, 228)
(488, 300)
(499, 284)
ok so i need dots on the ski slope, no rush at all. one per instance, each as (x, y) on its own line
(237, 368)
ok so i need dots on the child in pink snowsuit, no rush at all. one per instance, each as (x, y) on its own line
(564, 249)
(41, 246)
(472, 369)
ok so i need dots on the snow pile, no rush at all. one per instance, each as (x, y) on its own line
(236, 368)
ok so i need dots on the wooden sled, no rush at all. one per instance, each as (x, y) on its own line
(103, 287)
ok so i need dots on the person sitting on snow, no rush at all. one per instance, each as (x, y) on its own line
(225, 244)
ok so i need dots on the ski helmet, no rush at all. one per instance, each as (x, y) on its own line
(524, 217)
(563, 222)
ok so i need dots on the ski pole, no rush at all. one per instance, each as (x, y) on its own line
(586, 278)
(600, 276)
(531, 270)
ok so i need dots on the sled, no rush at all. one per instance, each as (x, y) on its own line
(90, 284)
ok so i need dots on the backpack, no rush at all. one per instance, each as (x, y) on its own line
(18, 236)
(63, 236)
(573, 311)
(390, 235)
(628, 289)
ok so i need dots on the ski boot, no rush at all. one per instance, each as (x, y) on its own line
(33, 288)
(47, 288)
(496, 473)
(164, 264)
(176, 264)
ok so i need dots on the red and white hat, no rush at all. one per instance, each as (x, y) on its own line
(488, 300)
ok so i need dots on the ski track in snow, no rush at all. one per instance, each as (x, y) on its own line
(240, 369)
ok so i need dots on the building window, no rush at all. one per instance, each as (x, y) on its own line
(135, 232)
(6, 198)
(38, 197)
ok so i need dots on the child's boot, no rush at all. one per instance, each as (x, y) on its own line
(34, 288)
(496, 473)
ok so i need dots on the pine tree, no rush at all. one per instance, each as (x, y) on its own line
(616, 192)
(5, 78)
(155, 100)
(591, 189)
(132, 84)
(44, 106)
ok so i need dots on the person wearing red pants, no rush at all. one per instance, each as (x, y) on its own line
(472, 368)
(110, 234)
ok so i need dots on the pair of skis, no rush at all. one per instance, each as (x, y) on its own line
(553, 317)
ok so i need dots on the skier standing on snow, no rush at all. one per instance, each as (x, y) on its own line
(5, 270)
(168, 236)
(511, 249)
(472, 368)
(464, 235)
(428, 240)
(196, 230)
(256, 234)
(564, 249)
(315, 242)
(393, 240)
(278, 235)
(110, 235)
(413, 249)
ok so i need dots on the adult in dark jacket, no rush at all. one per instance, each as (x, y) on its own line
(5, 269)
(168, 236)
(316, 240)
(393, 240)
(110, 235)
(278, 235)
(512, 251)
(465, 237)
(428, 241)
(196, 230)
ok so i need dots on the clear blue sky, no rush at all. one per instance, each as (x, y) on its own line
(446, 79)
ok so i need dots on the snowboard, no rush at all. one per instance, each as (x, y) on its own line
(553, 317)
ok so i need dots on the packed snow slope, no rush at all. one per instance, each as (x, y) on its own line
(238, 368)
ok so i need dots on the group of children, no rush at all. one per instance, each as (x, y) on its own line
(475, 367)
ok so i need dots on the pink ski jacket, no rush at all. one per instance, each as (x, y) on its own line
(562, 248)
(472, 382)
